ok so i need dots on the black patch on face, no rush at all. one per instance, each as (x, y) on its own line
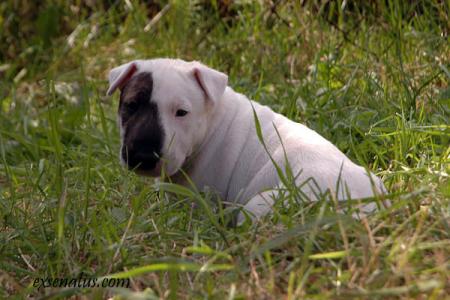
(143, 134)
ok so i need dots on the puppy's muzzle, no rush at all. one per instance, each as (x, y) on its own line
(140, 156)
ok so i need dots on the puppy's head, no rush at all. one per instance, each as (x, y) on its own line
(164, 111)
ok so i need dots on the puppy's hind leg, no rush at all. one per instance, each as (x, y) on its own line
(258, 206)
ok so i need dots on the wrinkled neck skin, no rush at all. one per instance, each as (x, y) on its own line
(224, 156)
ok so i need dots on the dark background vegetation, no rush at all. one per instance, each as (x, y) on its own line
(32, 29)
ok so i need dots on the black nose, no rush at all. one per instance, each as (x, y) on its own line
(143, 158)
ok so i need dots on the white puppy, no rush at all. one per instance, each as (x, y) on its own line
(182, 115)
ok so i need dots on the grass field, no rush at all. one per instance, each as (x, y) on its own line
(373, 78)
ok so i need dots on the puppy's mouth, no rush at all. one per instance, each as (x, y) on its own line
(153, 172)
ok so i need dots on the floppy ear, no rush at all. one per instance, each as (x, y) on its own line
(212, 82)
(119, 76)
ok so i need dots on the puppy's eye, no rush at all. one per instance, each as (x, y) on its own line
(132, 107)
(181, 113)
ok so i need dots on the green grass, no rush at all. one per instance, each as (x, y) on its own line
(373, 79)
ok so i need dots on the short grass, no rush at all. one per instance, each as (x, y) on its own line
(373, 78)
